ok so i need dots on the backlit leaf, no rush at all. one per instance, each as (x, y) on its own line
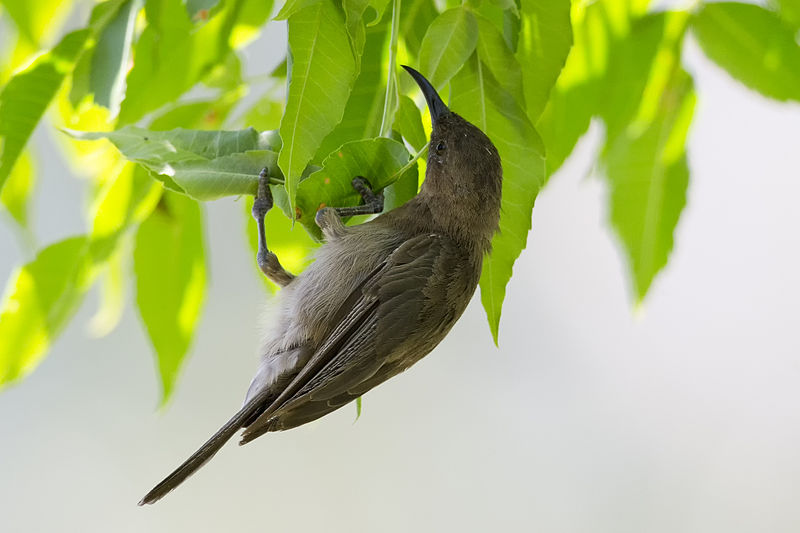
(16, 194)
(39, 299)
(173, 54)
(450, 40)
(648, 176)
(27, 95)
(545, 40)
(753, 44)
(170, 268)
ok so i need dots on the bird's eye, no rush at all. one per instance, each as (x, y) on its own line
(441, 146)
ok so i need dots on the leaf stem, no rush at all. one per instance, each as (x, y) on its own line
(391, 81)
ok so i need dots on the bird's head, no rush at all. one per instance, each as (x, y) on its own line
(463, 168)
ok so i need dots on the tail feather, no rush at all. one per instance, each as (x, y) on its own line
(201, 456)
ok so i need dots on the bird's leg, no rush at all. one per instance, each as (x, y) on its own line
(267, 261)
(373, 203)
(328, 218)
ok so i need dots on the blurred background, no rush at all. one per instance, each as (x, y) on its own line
(593, 415)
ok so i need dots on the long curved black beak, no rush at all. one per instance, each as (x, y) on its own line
(435, 104)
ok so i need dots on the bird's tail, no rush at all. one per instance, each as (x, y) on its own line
(201, 456)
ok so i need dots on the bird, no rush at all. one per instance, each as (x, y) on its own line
(379, 295)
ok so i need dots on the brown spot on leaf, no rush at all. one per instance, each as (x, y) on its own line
(327, 180)
(297, 213)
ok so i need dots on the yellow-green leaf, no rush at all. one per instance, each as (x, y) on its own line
(39, 299)
(27, 95)
(648, 176)
(545, 40)
(170, 268)
(753, 45)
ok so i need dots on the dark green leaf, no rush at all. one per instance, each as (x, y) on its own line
(170, 269)
(546, 37)
(480, 99)
(381, 161)
(754, 45)
(448, 43)
(28, 94)
(323, 71)
(39, 299)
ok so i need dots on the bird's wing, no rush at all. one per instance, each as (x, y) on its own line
(386, 310)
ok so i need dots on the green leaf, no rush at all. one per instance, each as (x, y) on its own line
(415, 17)
(170, 269)
(494, 52)
(408, 123)
(545, 40)
(112, 285)
(120, 205)
(19, 186)
(293, 6)
(39, 299)
(605, 74)
(203, 164)
(754, 45)
(28, 94)
(790, 12)
(124, 201)
(479, 98)
(648, 175)
(323, 71)
(358, 408)
(200, 9)
(362, 114)
(111, 57)
(448, 43)
(381, 161)
(172, 54)
(37, 20)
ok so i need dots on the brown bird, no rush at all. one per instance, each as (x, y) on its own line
(380, 295)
